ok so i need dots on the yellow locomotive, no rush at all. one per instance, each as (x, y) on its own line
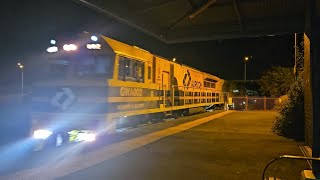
(97, 84)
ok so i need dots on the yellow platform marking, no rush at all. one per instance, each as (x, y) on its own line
(58, 169)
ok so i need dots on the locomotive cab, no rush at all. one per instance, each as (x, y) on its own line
(69, 103)
(84, 57)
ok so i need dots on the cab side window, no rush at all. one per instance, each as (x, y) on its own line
(131, 70)
(209, 84)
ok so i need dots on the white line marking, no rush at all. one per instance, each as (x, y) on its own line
(54, 170)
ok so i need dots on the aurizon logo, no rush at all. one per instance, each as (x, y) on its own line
(187, 79)
(63, 98)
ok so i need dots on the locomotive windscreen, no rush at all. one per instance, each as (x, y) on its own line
(86, 56)
(82, 65)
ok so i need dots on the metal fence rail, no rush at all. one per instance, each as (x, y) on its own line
(252, 103)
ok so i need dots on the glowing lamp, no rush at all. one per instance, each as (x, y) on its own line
(42, 134)
(52, 49)
(93, 46)
(52, 41)
(70, 47)
(94, 38)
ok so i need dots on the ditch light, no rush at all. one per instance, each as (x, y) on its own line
(42, 134)
(78, 136)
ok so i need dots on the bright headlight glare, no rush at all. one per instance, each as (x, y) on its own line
(86, 137)
(52, 41)
(52, 49)
(41, 134)
(94, 38)
(70, 47)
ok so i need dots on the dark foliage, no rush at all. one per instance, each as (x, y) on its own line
(276, 81)
(290, 121)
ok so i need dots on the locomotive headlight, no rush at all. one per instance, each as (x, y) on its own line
(79, 135)
(52, 41)
(70, 47)
(85, 136)
(52, 49)
(94, 38)
(42, 134)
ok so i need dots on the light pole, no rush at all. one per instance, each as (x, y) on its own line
(245, 68)
(21, 68)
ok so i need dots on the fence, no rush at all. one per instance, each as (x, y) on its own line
(252, 103)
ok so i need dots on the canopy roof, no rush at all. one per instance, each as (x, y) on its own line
(175, 21)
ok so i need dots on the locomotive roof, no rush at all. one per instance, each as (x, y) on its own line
(139, 53)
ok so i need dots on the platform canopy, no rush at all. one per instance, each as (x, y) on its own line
(175, 21)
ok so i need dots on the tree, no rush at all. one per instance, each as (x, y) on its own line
(276, 81)
(241, 88)
(300, 59)
(290, 120)
(231, 86)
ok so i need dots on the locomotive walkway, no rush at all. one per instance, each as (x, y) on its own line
(224, 145)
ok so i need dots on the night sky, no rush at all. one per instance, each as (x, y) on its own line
(27, 27)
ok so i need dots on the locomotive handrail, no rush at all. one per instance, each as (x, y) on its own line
(200, 97)
(193, 87)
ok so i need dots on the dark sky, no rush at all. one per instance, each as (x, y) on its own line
(27, 27)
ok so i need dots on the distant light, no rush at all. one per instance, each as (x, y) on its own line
(52, 41)
(20, 65)
(69, 47)
(174, 59)
(41, 134)
(93, 46)
(52, 49)
(247, 58)
(94, 38)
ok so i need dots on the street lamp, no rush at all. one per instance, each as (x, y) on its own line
(20, 66)
(246, 58)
